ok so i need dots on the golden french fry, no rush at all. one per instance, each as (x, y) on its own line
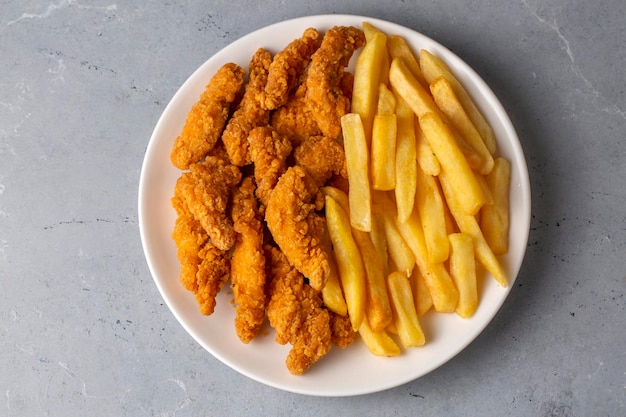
(367, 77)
(379, 343)
(463, 272)
(467, 224)
(433, 67)
(421, 295)
(440, 286)
(408, 87)
(332, 293)
(386, 100)
(399, 48)
(450, 105)
(383, 154)
(430, 206)
(469, 193)
(377, 234)
(339, 196)
(370, 31)
(378, 307)
(494, 220)
(357, 161)
(399, 252)
(349, 262)
(405, 316)
(425, 156)
(406, 160)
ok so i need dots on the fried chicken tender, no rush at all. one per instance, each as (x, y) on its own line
(295, 311)
(250, 113)
(296, 227)
(325, 96)
(321, 157)
(295, 119)
(342, 333)
(206, 189)
(247, 271)
(269, 151)
(287, 67)
(207, 118)
(204, 269)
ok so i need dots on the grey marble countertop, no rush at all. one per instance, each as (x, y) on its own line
(84, 330)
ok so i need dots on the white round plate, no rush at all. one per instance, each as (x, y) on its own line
(355, 370)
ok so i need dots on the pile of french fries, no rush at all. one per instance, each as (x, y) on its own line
(428, 199)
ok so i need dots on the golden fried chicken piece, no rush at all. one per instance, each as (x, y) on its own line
(269, 151)
(250, 113)
(295, 311)
(207, 118)
(325, 96)
(206, 190)
(247, 272)
(342, 333)
(296, 227)
(287, 67)
(321, 157)
(204, 269)
(295, 119)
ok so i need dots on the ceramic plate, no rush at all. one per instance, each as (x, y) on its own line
(354, 370)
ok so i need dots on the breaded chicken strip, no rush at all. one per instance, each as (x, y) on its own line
(287, 67)
(269, 151)
(206, 189)
(296, 227)
(341, 327)
(250, 113)
(204, 269)
(295, 312)
(321, 157)
(207, 118)
(325, 96)
(247, 272)
(295, 119)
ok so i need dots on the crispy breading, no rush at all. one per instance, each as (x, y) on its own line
(325, 96)
(250, 113)
(269, 151)
(321, 157)
(207, 118)
(206, 189)
(287, 67)
(342, 333)
(296, 227)
(295, 119)
(204, 269)
(295, 312)
(248, 263)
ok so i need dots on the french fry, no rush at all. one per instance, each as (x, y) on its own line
(332, 293)
(450, 105)
(379, 343)
(378, 307)
(405, 316)
(339, 196)
(357, 161)
(370, 31)
(399, 252)
(494, 220)
(408, 87)
(467, 224)
(433, 67)
(430, 206)
(421, 295)
(383, 154)
(367, 77)
(425, 156)
(463, 272)
(377, 234)
(349, 262)
(386, 100)
(399, 48)
(470, 194)
(406, 160)
(440, 286)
